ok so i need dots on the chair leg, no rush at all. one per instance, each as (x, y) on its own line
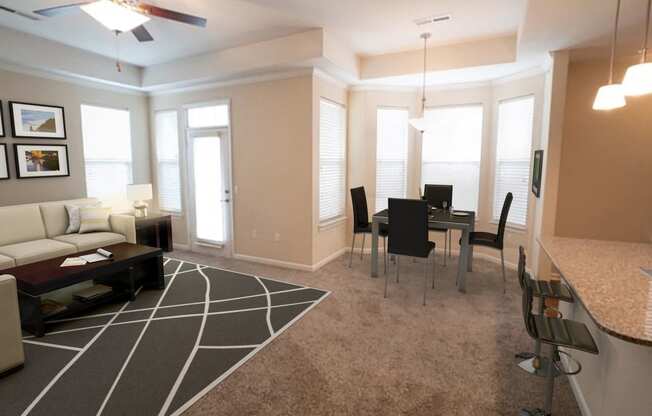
(425, 280)
(445, 246)
(362, 248)
(434, 267)
(351, 256)
(386, 279)
(385, 252)
(397, 258)
(550, 382)
(450, 245)
(502, 262)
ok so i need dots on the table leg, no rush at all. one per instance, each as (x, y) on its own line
(160, 273)
(132, 284)
(470, 260)
(30, 314)
(463, 262)
(374, 249)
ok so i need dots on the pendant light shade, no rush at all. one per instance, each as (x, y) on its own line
(638, 78)
(612, 95)
(609, 97)
(419, 123)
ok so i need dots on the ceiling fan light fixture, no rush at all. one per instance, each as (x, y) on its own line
(114, 16)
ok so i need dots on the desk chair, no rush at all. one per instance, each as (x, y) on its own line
(556, 332)
(361, 224)
(408, 235)
(436, 195)
(495, 241)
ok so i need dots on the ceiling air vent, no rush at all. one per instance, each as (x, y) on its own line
(432, 19)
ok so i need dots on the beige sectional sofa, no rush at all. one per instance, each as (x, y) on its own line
(35, 232)
(11, 346)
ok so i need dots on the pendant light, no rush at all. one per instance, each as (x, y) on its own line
(638, 78)
(420, 123)
(612, 95)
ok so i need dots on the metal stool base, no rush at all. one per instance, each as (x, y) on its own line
(528, 366)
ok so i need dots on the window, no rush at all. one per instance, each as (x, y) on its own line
(513, 146)
(391, 155)
(167, 159)
(107, 151)
(332, 160)
(208, 116)
(451, 152)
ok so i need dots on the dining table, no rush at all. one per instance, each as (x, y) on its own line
(437, 219)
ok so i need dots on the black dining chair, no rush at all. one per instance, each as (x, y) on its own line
(495, 241)
(437, 195)
(408, 235)
(361, 224)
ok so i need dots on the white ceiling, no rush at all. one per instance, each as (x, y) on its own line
(367, 26)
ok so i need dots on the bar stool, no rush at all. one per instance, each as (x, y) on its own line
(556, 332)
(542, 289)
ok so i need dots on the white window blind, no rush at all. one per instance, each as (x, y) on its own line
(391, 155)
(167, 155)
(513, 147)
(332, 160)
(208, 116)
(451, 152)
(107, 151)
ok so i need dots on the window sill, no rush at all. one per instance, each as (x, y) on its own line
(512, 227)
(327, 225)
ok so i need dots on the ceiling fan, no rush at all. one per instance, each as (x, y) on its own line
(123, 15)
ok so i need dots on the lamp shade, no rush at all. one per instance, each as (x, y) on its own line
(418, 123)
(609, 97)
(114, 16)
(638, 79)
(140, 192)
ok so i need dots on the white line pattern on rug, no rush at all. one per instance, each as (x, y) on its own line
(200, 334)
(268, 316)
(140, 337)
(49, 344)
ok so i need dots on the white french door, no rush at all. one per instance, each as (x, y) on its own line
(209, 175)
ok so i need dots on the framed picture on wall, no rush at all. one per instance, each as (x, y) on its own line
(4, 162)
(537, 167)
(2, 122)
(41, 160)
(35, 121)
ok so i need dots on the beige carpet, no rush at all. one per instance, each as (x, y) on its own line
(359, 354)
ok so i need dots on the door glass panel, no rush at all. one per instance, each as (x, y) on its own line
(208, 189)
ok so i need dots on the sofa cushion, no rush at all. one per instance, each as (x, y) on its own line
(94, 220)
(6, 262)
(21, 223)
(55, 217)
(91, 240)
(36, 250)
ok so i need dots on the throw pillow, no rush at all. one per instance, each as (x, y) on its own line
(94, 219)
(73, 216)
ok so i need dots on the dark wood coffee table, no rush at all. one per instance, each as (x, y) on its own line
(132, 265)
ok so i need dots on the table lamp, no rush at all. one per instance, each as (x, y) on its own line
(139, 193)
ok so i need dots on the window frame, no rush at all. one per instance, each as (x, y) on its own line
(84, 150)
(330, 222)
(180, 160)
(494, 160)
(481, 105)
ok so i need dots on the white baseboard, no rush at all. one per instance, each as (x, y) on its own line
(274, 262)
(185, 247)
(577, 391)
(330, 258)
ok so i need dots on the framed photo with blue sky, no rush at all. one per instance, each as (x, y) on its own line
(36, 121)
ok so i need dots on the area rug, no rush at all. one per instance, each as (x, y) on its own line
(158, 354)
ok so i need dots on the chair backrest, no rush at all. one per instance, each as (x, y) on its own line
(437, 194)
(408, 227)
(360, 211)
(528, 317)
(503, 218)
(521, 267)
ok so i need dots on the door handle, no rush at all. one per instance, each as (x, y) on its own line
(225, 200)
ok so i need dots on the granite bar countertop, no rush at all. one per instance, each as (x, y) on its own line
(607, 279)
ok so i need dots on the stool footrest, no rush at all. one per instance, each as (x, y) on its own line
(542, 371)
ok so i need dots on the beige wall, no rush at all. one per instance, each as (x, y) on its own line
(331, 239)
(605, 189)
(271, 141)
(362, 147)
(27, 88)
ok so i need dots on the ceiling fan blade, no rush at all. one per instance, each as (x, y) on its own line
(19, 13)
(142, 34)
(172, 15)
(59, 10)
